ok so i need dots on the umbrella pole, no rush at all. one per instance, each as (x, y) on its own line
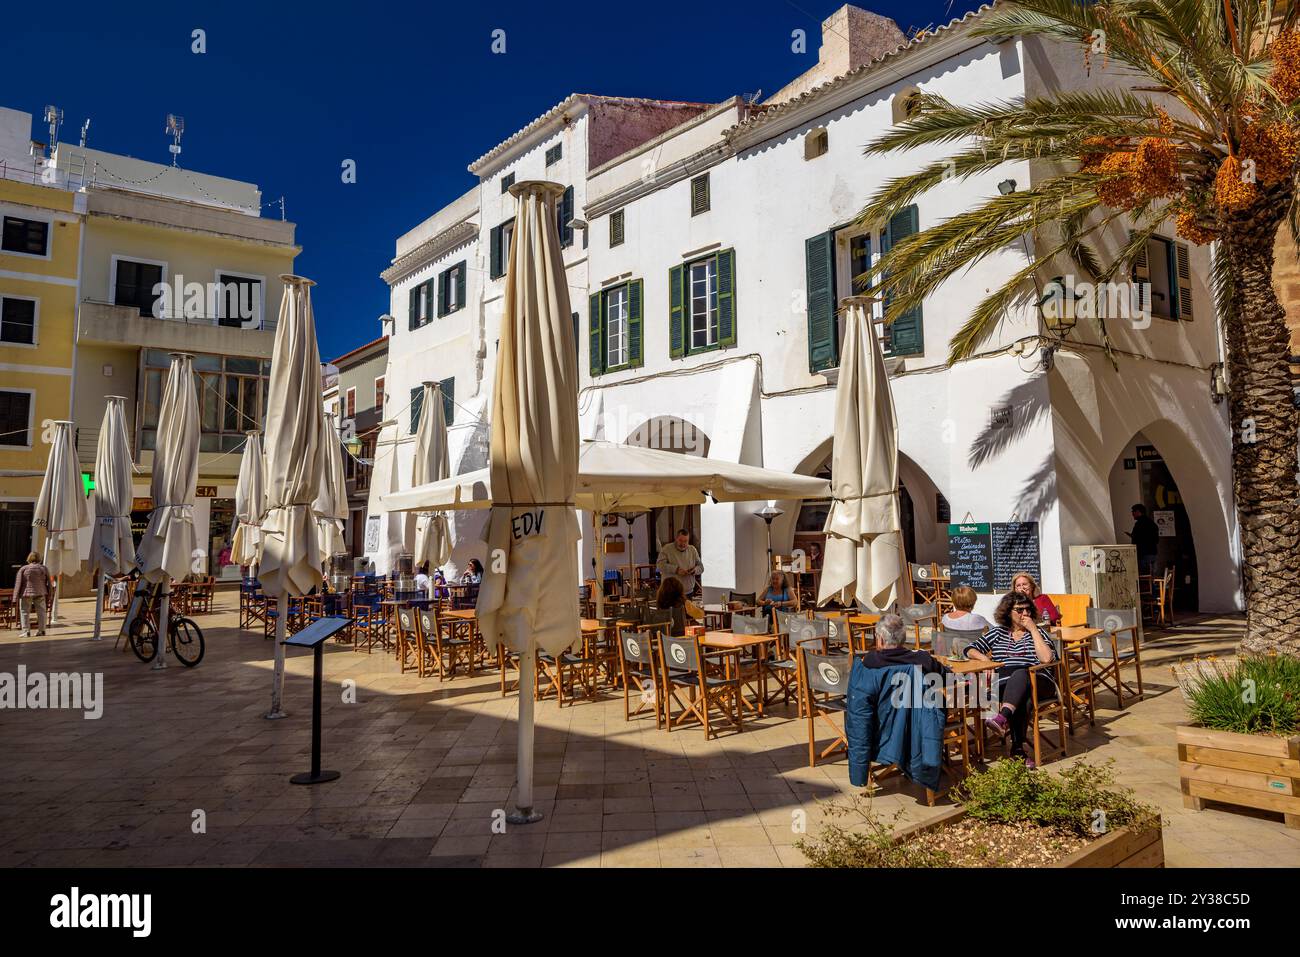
(99, 607)
(596, 520)
(277, 679)
(54, 605)
(523, 812)
(160, 643)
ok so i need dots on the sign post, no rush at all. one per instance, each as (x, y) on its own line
(314, 637)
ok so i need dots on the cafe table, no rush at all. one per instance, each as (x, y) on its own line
(982, 671)
(731, 642)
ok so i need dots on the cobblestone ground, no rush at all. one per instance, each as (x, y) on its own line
(426, 764)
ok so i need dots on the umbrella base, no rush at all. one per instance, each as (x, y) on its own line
(159, 666)
(275, 715)
(523, 816)
(320, 777)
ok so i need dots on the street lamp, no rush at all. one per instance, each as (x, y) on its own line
(768, 514)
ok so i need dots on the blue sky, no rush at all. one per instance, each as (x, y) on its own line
(411, 92)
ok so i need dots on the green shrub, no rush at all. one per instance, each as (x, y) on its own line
(1261, 695)
(869, 843)
(1069, 801)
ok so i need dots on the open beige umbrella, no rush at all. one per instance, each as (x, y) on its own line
(250, 503)
(432, 541)
(295, 422)
(527, 598)
(863, 559)
(331, 504)
(60, 511)
(167, 548)
(112, 549)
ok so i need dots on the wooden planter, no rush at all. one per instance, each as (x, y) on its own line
(1252, 770)
(1127, 847)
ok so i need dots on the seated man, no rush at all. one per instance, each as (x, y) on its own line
(891, 637)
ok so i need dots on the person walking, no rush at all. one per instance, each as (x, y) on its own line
(32, 588)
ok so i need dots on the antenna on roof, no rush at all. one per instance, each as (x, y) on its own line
(752, 98)
(54, 116)
(175, 129)
(85, 128)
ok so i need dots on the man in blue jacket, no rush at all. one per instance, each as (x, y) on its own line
(895, 711)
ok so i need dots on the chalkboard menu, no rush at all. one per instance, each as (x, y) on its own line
(970, 554)
(1015, 549)
(984, 555)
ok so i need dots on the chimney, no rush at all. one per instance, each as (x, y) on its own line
(851, 37)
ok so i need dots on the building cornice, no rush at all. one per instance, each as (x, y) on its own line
(674, 172)
(556, 116)
(430, 250)
(923, 50)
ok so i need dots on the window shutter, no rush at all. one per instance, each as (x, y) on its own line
(417, 403)
(634, 354)
(1184, 273)
(494, 252)
(565, 207)
(448, 387)
(823, 343)
(414, 307)
(460, 285)
(676, 313)
(906, 333)
(616, 228)
(1141, 279)
(700, 194)
(596, 330)
(727, 297)
(442, 294)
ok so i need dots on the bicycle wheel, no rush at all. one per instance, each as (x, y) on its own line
(144, 639)
(186, 641)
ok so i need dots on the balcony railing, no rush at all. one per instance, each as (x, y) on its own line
(264, 323)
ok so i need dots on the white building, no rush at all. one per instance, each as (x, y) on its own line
(718, 251)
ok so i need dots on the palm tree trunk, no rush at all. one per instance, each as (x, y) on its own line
(1264, 424)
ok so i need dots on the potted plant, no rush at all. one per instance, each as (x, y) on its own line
(1243, 745)
(1008, 816)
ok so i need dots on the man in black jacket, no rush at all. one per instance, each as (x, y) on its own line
(1146, 536)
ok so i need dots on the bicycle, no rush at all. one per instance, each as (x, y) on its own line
(184, 636)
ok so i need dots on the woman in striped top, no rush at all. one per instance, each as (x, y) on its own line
(1017, 644)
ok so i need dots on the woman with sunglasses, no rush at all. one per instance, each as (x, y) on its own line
(1017, 644)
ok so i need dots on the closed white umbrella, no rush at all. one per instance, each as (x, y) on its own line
(331, 504)
(112, 549)
(250, 503)
(295, 422)
(863, 558)
(432, 541)
(527, 599)
(394, 525)
(167, 548)
(60, 511)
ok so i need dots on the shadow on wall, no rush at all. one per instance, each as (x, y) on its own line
(1011, 419)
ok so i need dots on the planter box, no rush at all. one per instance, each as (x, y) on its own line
(1252, 770)
(1126, 847)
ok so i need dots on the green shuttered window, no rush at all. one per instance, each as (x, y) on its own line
(905, 336)
(823, 329)
(615, 324)
(702, 304)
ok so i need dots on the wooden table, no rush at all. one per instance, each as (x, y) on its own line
(982, 670)
(731, 642)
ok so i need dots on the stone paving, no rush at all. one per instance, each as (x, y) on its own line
(426, 766)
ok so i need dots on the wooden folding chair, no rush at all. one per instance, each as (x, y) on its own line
(921, 583)
(1051, 708)
(914, 616)
(823, 688)
(638, 665)
(410, 651)
(453, 642)
(1117, 646)
(682, 667)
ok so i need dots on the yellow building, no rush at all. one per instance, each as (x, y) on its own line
(40, 253)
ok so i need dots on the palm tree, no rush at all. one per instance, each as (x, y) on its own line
(1204, 132)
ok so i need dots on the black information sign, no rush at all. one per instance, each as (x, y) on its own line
(1015, 549)
(970, 554)
(985, 555)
